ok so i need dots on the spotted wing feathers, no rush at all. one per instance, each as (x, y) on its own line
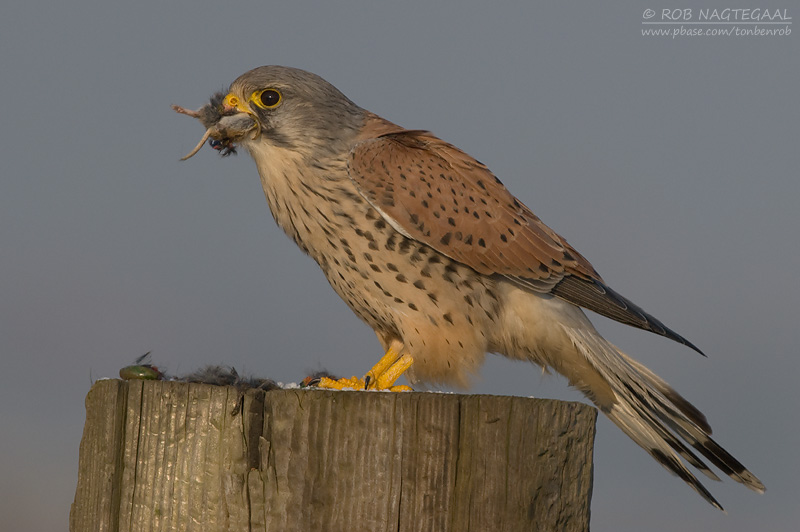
(442, 197)
(437, 194)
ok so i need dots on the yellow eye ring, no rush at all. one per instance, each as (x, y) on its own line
(266, 99)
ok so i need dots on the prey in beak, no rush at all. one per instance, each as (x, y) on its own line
(225, 123)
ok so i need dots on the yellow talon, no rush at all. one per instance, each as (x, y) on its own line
(382, 376)
(385, 363)
(341, 384)
(387, 378)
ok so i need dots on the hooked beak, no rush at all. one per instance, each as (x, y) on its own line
(231, 102)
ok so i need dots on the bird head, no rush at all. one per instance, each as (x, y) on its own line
(283, 107)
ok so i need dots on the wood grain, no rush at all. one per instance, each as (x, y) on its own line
(173, 456)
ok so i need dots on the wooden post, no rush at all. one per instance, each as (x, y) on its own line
(172, 456)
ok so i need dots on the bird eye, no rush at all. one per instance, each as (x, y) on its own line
(266, 99)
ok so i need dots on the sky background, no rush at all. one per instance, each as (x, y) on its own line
(672, 164)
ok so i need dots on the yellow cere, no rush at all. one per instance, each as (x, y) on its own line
(231, 101)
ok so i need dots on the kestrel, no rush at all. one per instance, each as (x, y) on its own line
(430, 249)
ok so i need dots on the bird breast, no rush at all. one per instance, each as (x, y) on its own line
(403, 289)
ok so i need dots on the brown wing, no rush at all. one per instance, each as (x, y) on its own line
(436, 194)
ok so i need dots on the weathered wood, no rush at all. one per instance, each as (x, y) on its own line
(172, 456)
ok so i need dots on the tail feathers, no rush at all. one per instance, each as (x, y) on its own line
(663, 446)
(657, 418)
(694, 428)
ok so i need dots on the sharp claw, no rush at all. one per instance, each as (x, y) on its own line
(199, 144)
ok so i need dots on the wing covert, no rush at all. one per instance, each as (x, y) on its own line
(444, 198)
(436, 194)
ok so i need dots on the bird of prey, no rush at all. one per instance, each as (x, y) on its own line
(429, 248)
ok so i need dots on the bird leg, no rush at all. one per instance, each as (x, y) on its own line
(386, 380)
(382, 376)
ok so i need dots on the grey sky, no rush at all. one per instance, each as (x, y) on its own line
(672, 164)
